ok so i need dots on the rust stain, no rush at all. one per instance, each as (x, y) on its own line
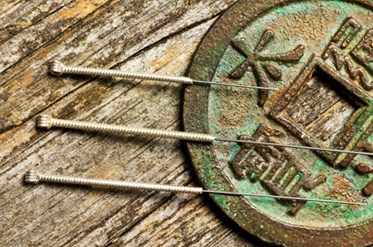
(25, 80)
(14, 138)
(342, 186)
(106, 170)
(233, 118)
(170, 54)
(81, 9)
(340, 183)
(16, 119)
(41, 54)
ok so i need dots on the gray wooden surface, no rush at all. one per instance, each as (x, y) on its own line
(140, 36)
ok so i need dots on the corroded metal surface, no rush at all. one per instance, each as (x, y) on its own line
(320, 55)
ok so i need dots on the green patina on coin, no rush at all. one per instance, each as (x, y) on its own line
(320, 55)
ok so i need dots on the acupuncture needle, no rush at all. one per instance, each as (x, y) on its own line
(35, 178)
(47, 122)
(58, 68)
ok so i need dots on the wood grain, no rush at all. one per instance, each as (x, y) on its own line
(140, 36)
(321, 108)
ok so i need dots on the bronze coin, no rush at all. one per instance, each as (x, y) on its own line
(319, 54)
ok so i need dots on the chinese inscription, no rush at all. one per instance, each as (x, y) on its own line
(259, 62)
(326, 106)
(274, 167)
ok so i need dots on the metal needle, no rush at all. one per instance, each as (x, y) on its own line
(33, 177)
(47, 122)
(57, 68)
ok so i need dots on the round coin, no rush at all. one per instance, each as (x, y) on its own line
(319, 54)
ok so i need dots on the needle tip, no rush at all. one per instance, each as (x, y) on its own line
(354, 203)
(362, 203)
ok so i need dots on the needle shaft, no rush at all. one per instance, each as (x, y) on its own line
(233, 85)
(47, 122)
(293, 146)
(33, 177)
(281, 197)
(57, 68)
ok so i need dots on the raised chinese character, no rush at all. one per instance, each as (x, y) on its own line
(257, 61)
(338, 48)
(363, 52)
(275, 168)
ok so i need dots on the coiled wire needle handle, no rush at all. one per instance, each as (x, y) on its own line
(33, 177)
(57, 68)
(47, 122)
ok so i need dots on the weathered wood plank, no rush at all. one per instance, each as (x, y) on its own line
(186, 219)
(16, 16)
(140, 36)
(31, 39)
(106, 37)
